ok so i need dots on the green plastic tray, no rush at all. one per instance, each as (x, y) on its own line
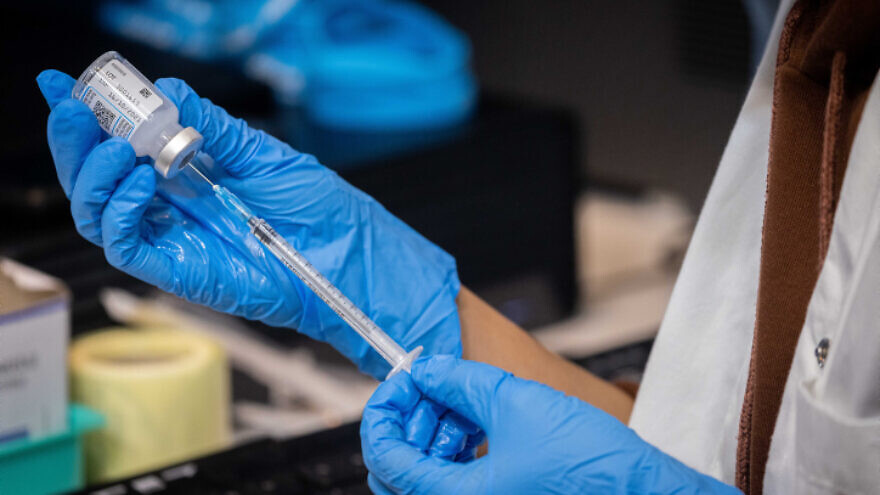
(50, 464)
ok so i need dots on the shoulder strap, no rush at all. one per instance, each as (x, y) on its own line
(828, 56)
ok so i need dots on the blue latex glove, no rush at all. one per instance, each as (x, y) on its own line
(440, 432)
(175, 235)
(540, 440)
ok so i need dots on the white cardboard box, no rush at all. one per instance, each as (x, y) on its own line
(34, 333)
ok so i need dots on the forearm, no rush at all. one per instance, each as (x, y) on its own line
(489, 337)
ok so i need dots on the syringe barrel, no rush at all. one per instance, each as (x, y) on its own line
(341, 305)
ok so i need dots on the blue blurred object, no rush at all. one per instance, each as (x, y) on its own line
(371, 65)
(204, 30)
(362, 65)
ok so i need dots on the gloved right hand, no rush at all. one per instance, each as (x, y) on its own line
(540, 440)
(183, 242)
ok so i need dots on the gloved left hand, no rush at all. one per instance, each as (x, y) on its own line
(172, 235)
(540, 440)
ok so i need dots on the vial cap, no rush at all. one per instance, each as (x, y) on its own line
(178, 152)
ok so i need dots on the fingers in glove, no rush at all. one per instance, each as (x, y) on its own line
(104, 168)
(451, 437)
(55, 85)
(394, 463)
(466, 387)
(121, 228)
(73, 132)
(241, 150)
(422, 424)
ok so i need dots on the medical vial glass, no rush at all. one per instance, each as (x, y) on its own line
(128, 105)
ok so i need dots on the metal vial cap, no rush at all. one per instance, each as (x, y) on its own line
(178, 152)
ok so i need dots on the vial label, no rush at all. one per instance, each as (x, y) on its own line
(119, 99)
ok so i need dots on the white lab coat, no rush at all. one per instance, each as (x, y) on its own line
(827, 437)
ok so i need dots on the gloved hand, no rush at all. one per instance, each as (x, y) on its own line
(540, 440)
(175, 235)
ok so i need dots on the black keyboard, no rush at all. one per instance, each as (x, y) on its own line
(325, 463)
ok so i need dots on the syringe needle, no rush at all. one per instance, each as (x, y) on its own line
(200, 173)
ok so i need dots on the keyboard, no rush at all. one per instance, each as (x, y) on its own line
(323, 463)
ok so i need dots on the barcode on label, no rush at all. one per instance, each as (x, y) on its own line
(105, 116)
(146, 93)
(122, 128)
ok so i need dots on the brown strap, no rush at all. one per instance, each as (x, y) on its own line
(828, 56)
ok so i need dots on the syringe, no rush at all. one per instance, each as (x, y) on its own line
(393, 353)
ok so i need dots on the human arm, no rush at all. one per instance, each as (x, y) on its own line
(488, 336)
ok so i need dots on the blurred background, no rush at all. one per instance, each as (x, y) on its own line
(559, 150)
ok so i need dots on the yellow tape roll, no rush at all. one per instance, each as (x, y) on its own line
(165, 395)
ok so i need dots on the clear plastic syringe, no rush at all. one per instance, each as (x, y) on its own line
(395, 355)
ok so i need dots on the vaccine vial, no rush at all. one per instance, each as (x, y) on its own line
(128, 105)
